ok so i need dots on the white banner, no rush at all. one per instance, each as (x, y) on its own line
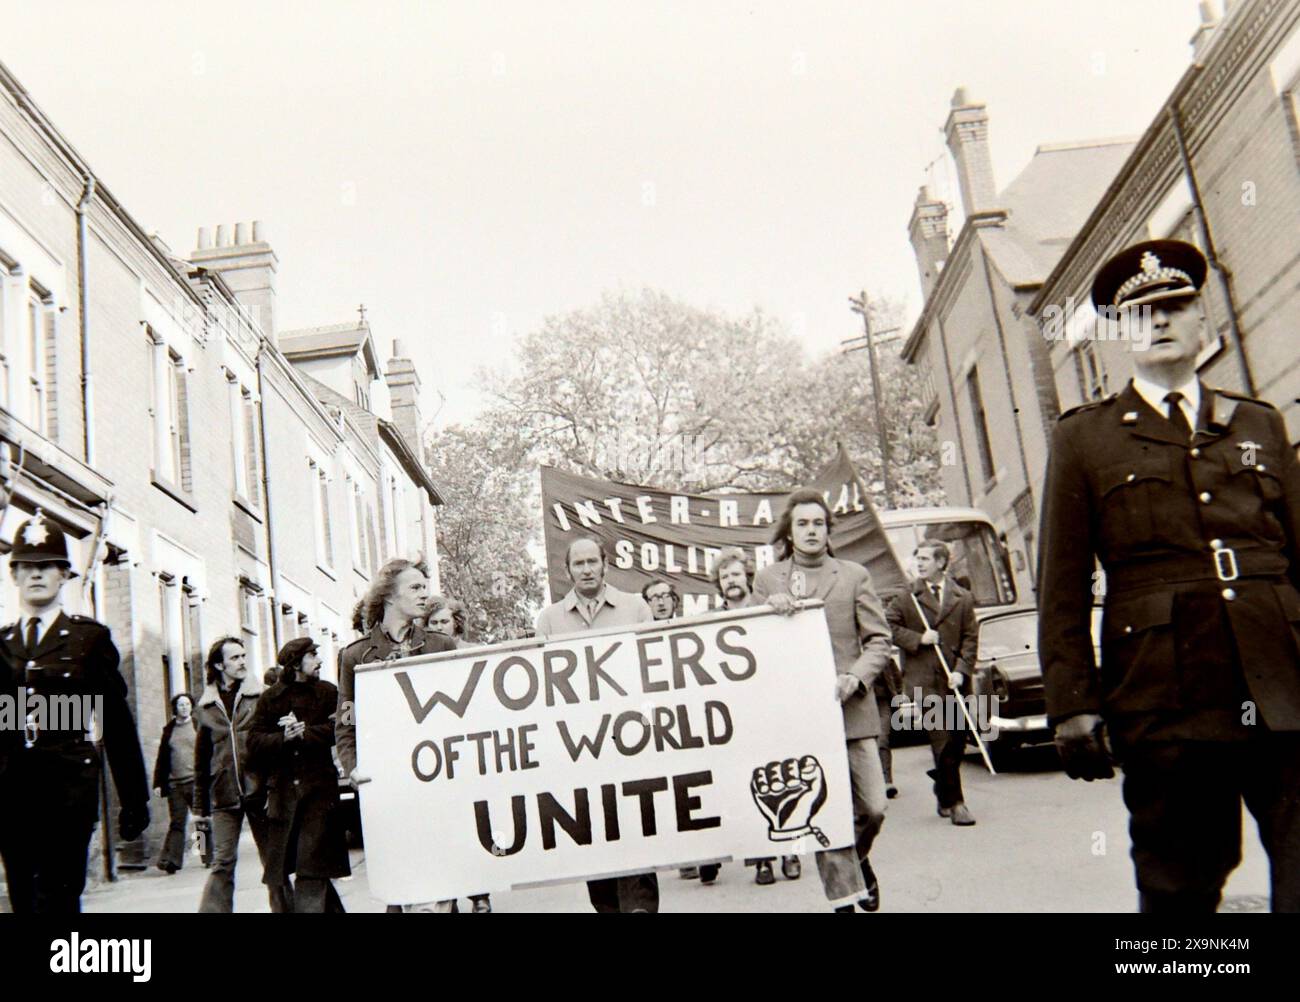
(608, 753)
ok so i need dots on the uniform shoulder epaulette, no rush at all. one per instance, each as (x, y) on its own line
(1090, 405)
(1234, 395)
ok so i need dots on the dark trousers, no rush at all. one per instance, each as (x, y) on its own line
(1184, 800)
(179, 798)
(219, 892)
(948, 748)
(44, 859)
(886, 712)
(639, 892)
(314, 895)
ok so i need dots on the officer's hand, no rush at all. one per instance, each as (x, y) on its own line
(784, 605)
(158, 791)
(356, 779)
(846, 685)
(930, 637)
(131, 822)
(1081, 743)
(957, 680)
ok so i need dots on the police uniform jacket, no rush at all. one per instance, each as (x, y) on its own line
(374, 646)
(1200, 547)
(955, 622)
(74, 657)
(856, 621)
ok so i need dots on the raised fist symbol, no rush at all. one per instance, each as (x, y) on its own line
(789, 793)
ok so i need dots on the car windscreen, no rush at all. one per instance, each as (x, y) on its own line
(977, 560)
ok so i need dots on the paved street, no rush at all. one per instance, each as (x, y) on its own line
(1043, 843)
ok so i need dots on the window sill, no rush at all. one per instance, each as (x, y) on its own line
(174, 492)
(363, 574)
(327, 571)
(242, 503)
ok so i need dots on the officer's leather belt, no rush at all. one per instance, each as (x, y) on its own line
(1219, 566)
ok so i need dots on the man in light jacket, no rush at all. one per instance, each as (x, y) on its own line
(861, 644)
(225, 790)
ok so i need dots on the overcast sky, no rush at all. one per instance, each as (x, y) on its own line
(466, 169)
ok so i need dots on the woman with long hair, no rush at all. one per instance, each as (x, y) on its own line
(173, 778)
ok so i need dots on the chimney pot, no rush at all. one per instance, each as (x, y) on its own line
(397, 348)
(241, 233)
(205, 238)
(259, 231)
(223, 238)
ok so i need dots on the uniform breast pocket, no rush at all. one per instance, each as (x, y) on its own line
(1259, 478)
(1132, 495)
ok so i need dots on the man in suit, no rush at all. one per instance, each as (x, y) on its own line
(49, 768)
(1190, 499)
(592, 604)
(948, 626)
(860, 641)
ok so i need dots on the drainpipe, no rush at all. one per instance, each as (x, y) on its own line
(266, 496)
(1211, 255)
(87, 384)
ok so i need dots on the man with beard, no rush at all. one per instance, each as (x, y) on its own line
(733, 574)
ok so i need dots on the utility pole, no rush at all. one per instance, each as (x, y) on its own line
(862, 306)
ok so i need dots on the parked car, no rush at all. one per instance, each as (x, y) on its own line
(1007, 667)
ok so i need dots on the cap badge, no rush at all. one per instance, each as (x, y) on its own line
(1150, 263)
(36, 532)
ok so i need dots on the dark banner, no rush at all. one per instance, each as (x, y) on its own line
(652, 534)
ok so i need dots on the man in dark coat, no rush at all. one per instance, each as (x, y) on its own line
(1190, 499)
(49, 767)
(291, 742)
(949, 626)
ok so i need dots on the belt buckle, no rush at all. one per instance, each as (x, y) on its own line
(30, 732)
(1225, 564)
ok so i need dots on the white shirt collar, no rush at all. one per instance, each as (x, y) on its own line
(1154, 394)
(47, 616)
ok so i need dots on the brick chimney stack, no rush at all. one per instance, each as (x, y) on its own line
(248, 265)
(967, 131)
(404, 394)
(928, 230)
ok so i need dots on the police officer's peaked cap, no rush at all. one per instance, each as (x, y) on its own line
(292, 653)
(1148, 272)
(40, 541)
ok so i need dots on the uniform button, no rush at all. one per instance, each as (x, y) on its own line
(1261, 467)
(31, 691)
(295, 782)
(67, 674)
(1206, 498)
(1195, 453)
(1229, 594)
(31, 664)
(86, 761)
(1132, 477)
(1128, 629)
(1216, 544)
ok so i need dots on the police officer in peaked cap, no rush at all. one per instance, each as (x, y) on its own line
(1189, 498)
(49, 767)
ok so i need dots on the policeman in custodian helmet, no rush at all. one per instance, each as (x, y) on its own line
(49, 767)
(1189, 497)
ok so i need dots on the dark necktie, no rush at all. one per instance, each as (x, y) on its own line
(32, 625)
(1177, 416)
(936, 589)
